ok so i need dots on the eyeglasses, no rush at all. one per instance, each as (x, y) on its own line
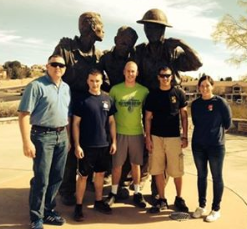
(56, 64)
(164, 75)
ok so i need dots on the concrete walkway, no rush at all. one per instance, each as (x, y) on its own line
(16, 171)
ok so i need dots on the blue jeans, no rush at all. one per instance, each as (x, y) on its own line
(213, 155)
(48, 167)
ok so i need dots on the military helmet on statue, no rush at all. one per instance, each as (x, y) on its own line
(155, 16)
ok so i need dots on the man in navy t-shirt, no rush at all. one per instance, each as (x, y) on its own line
(93, 123)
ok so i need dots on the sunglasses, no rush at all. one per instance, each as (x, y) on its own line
(164, 75)
(56, 64)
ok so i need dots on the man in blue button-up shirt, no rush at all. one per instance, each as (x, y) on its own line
(44, 120)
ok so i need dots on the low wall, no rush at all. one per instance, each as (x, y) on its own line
(239, 126)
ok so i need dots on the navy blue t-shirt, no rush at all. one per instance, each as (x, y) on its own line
(210, 118)
(94, 111)
(165, 106)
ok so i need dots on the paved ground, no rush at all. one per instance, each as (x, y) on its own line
(16, 171)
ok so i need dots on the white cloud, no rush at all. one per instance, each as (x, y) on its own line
(191, 22)
(11, 38)
(8, 36)
(33, 41)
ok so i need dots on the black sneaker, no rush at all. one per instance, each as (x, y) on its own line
(139, 200)
(123, 193)
(38, 224)
(102, 207)
(110, 199)
(78, 214)
(154, 198)
(160, 205)
(180, 204)
(53, 218)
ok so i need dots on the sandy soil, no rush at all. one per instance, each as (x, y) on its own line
(17, 82)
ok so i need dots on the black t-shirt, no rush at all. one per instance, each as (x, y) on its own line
(94, 111)
(165, 106)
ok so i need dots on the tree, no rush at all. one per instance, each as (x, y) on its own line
(229, 78)
(233, 32)
(16, 71)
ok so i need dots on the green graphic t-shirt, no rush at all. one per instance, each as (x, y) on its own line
(129, 102)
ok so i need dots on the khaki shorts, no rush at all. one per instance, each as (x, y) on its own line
(132, 145)
(166, 156)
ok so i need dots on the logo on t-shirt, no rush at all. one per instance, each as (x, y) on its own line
(210, 107)
(173, 99)
(131, 103)
(106, 105)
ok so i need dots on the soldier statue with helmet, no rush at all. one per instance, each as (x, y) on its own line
(160, 50)
(150, 57)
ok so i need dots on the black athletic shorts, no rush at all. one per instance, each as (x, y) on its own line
(94, 160)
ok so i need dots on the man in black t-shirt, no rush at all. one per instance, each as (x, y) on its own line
(164, 107)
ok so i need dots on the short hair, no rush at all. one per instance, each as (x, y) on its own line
(205, 77)
(164, 67)
(87, 21)
(130, 32)
(95, 71)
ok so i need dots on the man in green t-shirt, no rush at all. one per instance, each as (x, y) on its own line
(129, 98)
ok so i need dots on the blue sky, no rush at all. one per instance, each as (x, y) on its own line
(30, 29)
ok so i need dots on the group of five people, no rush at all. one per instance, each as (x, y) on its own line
(141, 82)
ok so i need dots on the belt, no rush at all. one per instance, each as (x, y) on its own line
(48, 129)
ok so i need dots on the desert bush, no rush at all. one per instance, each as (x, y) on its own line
(8, 109)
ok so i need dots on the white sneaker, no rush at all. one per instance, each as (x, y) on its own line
(214, 215)
(199, 212)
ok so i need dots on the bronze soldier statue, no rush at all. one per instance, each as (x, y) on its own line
(114, 60)
(80, 56)
(80, 53)
(162, 51)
